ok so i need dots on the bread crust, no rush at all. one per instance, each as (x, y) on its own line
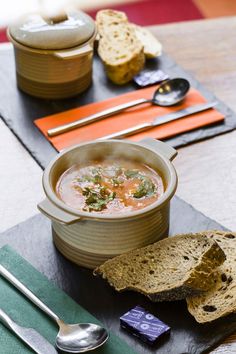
(220, 300)
(151, 46)
(119, 48)
(166, 270)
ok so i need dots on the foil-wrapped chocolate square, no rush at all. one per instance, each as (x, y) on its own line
(150, 77)
(143, 325)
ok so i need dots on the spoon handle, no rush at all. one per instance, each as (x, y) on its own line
(95, 117)
(127, 132)
(22, 288)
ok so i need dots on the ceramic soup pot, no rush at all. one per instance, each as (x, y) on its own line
(89, 239)
(53, 56)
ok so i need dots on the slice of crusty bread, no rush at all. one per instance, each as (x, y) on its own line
(119, 48)
(152, 47)
(106, 17)
(170, 269)
(221, 299)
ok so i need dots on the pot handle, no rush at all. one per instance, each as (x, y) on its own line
(52, 212)
(73, 53)
(164, 148)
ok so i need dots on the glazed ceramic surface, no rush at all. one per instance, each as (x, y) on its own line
(89, 239)
(38, 32)
(53, 60)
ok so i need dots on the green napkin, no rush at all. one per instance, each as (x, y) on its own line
(25, 313)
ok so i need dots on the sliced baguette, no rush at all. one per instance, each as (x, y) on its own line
(170, 269)
(119, 48)
(107, 17)
(152, 47)
(221, 299)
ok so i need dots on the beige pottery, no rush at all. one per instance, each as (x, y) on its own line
(89, 239)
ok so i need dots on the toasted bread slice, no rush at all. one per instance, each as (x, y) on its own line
(221, 299)
(170, 269)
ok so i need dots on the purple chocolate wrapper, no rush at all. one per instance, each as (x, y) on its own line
(150, 77)
(144, 325)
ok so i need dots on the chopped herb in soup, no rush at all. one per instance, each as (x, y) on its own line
(109, 187)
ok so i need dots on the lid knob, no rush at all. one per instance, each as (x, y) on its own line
(56, 18)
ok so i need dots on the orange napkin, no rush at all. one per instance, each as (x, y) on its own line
(127, 119)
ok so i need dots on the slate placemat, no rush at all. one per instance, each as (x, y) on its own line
(32, 240)
(19, 110)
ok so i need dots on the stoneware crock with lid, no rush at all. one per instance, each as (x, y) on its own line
(89, 239)
(53, 56)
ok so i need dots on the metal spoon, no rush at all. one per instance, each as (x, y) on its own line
(168, 93)
(71, 338)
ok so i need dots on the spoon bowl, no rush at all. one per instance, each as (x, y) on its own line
(171, 92)
(71, 338)
(80, 338)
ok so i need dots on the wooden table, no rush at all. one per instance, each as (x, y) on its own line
(206, 170)
(207, 49)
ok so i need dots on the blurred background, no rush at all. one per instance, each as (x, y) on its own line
(142, 12)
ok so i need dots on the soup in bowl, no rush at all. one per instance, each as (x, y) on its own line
(105, 198)
(109, 186)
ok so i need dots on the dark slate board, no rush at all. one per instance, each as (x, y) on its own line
(19, 110)
(32, 239)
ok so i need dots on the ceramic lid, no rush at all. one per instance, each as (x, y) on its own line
(64, 31)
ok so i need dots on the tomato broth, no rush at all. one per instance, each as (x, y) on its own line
(110, 187)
